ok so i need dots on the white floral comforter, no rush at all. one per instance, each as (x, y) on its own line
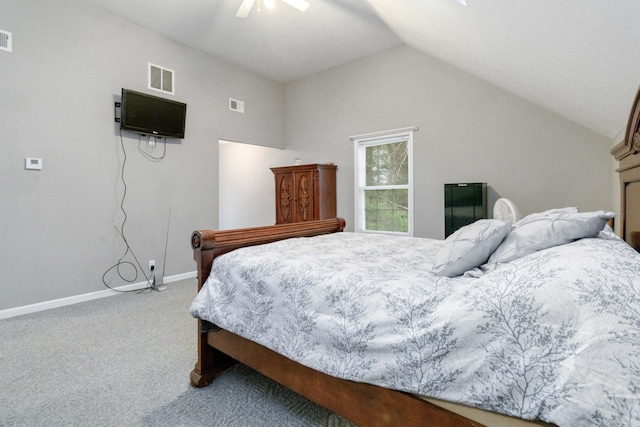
(553, 336)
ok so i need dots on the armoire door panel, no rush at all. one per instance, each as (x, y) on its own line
(304, 195)
(285, 202)
(305, 192)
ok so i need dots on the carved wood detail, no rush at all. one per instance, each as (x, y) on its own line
(285, 199)
(630, 145)
(303, 198)
(305, 192)
(626, 152)
(633, 126)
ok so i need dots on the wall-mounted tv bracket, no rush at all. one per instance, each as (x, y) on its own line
(116, 107)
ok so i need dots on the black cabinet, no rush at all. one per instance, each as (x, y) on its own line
(463, 204)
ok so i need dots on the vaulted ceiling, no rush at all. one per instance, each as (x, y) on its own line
(578, 58)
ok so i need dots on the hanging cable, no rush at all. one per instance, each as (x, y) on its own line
(118, 265)
(149, 156)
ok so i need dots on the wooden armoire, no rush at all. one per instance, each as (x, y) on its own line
(305, 192)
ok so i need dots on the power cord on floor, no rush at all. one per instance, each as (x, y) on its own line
(120, 263)
(117, 266)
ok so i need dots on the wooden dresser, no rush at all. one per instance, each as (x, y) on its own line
(305, 192)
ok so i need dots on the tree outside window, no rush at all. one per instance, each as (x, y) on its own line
(383, 184)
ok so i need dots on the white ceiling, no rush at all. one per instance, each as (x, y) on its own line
(578, 58)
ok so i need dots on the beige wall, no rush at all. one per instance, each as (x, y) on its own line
(470, 131)
(57, 90)
(615, 180)
(247, 190)
(58, 95)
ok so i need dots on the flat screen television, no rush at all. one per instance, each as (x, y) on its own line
(152, 115)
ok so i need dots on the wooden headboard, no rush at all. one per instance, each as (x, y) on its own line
(627, 153)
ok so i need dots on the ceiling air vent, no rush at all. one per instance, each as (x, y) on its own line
(5, 41)
(236, 105)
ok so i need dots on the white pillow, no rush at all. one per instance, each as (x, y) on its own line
(545, 230)
(545, 214)
(469, 247)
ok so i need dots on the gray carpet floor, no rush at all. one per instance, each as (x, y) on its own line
(125, 361)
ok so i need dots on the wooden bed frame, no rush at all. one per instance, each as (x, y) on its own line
(218, 350)
(363, 404)
(626, 153)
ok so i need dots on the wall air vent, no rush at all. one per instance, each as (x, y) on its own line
(236, 105)
(161, 79)
(5, 41)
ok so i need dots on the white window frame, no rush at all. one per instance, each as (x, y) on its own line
(360, 143)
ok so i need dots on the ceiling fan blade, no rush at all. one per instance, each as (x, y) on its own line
(245, 8)
(301, 5)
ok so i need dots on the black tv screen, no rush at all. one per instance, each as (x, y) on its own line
(152, 115)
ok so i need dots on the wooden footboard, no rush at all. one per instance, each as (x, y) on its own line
(209, 244)
(363, 404)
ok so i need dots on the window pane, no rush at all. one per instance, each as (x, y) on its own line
(155, 77)
(371, 219)
(372, 166)
(387, 210)
(387, 164)
(167, 81)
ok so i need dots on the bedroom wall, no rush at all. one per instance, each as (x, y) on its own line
(615, 179)
(470, 131)
(67, 68)
(68, 65)
(247, 190)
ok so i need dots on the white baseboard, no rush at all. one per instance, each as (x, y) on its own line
(61, 302)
